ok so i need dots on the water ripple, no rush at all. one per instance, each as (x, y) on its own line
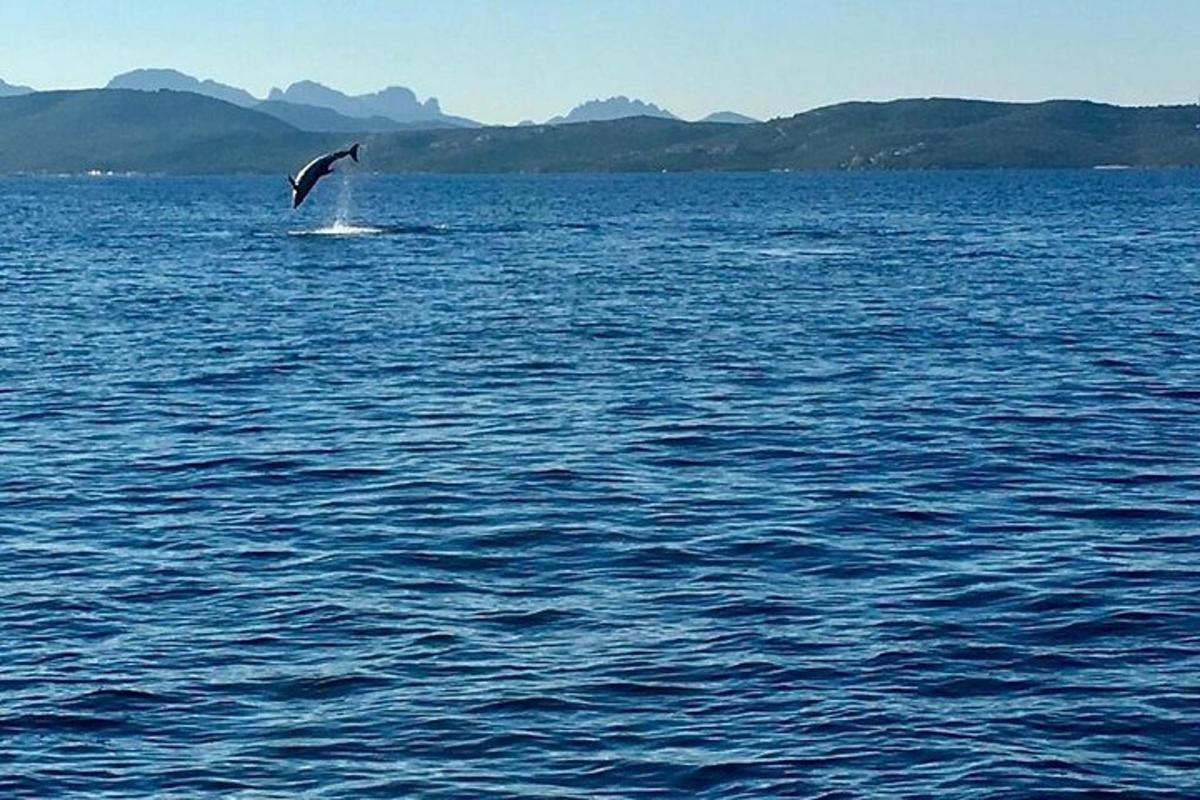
(825, 486)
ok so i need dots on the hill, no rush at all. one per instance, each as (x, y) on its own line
(397, 103)
(298, 103)
(905, 134)
(13, 90)
(634, 144)
(325, 120)
(618, 107)
(943, 133)
(125, 130)
(730, 118)
(151, 80)
(182, 132)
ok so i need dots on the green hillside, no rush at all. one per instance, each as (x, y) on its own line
(636, 144)
(126, 130)
(326, 120)
(906, 134)
(944, 134)
(179, 132)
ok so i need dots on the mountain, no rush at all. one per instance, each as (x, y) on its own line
(946, 133)
(326, 120)
(11, 90)
(730, 118)
(303, 104)
(151, 80)
(182, 132)
(633, 144)
(395, 102)
(903, 134)
(165, 131)
(613, 108)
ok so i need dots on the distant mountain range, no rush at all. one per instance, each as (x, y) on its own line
(618, 107)
(151, 80)
(309, 105)
(185, 132)
(621, 107)
(395, 102)
(391, 109)
(730, 118)
(318, 119)
(124, 130)
(9, 90)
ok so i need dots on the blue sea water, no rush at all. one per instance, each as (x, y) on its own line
(825, 486)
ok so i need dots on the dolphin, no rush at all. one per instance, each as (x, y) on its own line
(314, 170)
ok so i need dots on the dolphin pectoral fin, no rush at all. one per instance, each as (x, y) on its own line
(291, 182)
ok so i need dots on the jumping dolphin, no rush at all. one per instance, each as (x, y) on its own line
(314, 170)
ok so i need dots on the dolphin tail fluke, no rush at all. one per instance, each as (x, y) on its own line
(353, 151)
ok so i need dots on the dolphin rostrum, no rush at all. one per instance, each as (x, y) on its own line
(314, 170)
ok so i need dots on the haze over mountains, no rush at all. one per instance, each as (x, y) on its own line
(306, 104)
(309, 105)
(151, 80)
(397, 103)
(9, 90)
(730, 118)
(613, 108)
(319, 119)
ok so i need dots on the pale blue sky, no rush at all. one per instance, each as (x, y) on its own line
(507, 60)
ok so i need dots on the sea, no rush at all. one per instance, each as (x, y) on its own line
(823, 485)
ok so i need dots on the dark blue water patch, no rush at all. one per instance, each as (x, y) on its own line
(828, 486)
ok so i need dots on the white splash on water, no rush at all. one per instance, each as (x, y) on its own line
(345, 196)
(340, 228)
(341, 219)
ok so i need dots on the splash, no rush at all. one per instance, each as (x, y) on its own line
(345, 197)
(340, 228)
(341, 218)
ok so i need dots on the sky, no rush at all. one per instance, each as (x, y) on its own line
(503, 61)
